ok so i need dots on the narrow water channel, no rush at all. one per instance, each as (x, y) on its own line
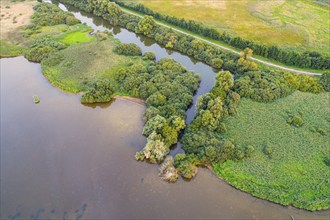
(206, 73)
(64, 160)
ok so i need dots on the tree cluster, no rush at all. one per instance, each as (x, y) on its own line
(168, 89)
(100, 91)
(41, 48)
(46, 14)
(267, 86)
(203, 142)
(128, 49)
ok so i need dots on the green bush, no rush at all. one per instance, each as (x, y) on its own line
(101, 91)
(41, 48)
(268, 150)
(262, 86)
(149, 55)
(325, 81)
(249, 151)
(327, 161)
(47, 14)
(128, 49)
(186, 165)
(295, 120)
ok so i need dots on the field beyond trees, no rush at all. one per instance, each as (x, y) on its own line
(295, 172)
(300, 25)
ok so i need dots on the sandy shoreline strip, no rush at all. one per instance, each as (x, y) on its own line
(136, 100)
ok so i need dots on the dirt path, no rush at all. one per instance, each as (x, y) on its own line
(233, 51)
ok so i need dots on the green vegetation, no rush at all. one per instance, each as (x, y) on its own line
(276, 151)
(168, 89)
(287, 24)
(36, 99)
(203, 140)
(76, 37)
(149, 55)
(101, 91)
(296, 172)
(41, 48)
(50, 15)
(295, 120)
(128, 49)
(78, 66)
(325, 81)
(7, 49)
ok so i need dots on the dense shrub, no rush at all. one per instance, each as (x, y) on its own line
(268, 150)
(41, 48)
(149, 55)
(47, 14)
(262, 86)
(101, 91)
(146, 26)
(325, 81)
(128, 49)
(327, 161)
(304, 83)
(295, 120)
(168, 89)
(186, 165)
(202, 139)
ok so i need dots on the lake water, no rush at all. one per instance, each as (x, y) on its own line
(64, 160)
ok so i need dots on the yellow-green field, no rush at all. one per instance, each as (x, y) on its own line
(295, 24)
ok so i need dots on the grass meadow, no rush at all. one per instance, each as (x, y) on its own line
(296, 172)
(299, 24)
(76, 67)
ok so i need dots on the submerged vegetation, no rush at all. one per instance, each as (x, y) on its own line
(36, 99)
(262, 130)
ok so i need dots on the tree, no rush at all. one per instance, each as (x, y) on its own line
(223, 83)
(156, 99)
(114, 11)
(247, 53)
(146, 25)
(149, 55)
(216, 62)
(101, 91)
(155, 124)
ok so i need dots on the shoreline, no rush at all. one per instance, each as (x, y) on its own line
(131, 99)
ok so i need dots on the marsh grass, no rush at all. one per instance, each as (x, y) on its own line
(296, 172)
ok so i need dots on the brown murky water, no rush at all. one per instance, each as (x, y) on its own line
(64, 160)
